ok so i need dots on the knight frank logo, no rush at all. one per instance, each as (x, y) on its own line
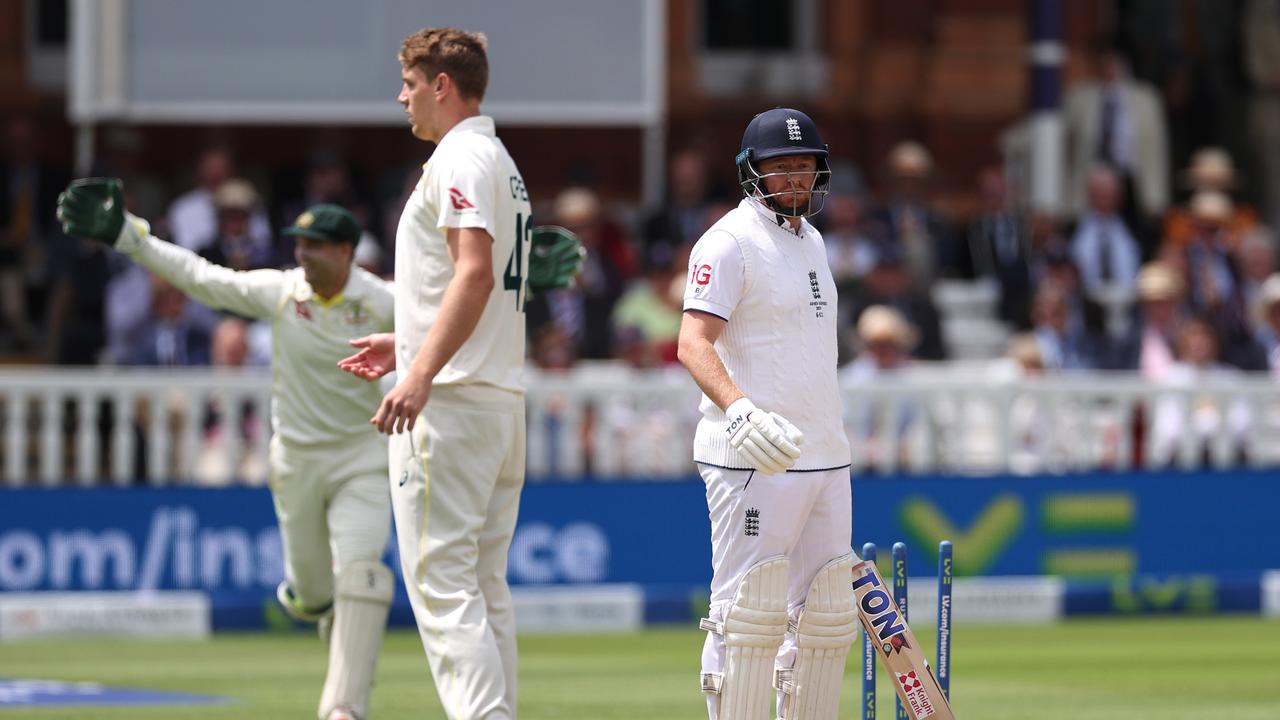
(751, 527)
(917, 696)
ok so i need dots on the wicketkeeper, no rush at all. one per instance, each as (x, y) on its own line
(327, 466)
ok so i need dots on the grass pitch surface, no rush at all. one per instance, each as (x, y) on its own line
(1105, 670)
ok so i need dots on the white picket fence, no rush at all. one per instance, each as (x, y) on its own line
(90, 426)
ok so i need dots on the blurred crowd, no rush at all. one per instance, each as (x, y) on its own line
(65, 301)
(1161, 258)
(1149, 268)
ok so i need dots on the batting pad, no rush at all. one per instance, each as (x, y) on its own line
(825, 630)
(363, 591)
(753, 628)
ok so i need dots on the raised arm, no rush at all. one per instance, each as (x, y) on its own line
(253, 293)
(94, 208)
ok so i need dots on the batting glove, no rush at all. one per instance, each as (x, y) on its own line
(93, 208)
(767, 441)
(555, 258)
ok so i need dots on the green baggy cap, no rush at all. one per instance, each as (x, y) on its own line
(326, 222)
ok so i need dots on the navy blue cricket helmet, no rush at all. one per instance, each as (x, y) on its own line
(782, 132)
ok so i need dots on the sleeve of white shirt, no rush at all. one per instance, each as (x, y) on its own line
(464, 192)
(255, 294)
(717, 275)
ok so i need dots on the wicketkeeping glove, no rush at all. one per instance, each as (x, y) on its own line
(93, 208)
(767, 441)
(555, 258)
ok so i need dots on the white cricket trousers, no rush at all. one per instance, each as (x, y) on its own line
(807, 516)
(455, 487)
(333, 508)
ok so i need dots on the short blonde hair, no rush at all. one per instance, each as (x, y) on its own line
(457, 53)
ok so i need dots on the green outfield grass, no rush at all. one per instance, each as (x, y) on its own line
(1113, 669)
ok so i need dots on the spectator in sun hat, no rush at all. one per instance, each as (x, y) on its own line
(889, 283)
(1149, 348)
(910, 217)
(1211, 170)
(885, 340)
(193, 218)
(1214, 287)
(234, 245)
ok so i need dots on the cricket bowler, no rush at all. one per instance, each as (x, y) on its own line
(456, 414)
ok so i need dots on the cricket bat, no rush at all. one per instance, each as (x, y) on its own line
(896, 644)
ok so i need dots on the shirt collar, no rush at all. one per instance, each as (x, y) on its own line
(481, 124)
(354, 290)
(772, 218)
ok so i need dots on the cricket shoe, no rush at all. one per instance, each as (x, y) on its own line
(341, 713)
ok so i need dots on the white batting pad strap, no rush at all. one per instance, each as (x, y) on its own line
(753, 628)
(366, 580)
(784, 680)
(825, 630)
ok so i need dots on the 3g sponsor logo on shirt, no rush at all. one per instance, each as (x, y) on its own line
(700, 276)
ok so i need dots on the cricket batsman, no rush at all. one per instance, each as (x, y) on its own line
(759, 337)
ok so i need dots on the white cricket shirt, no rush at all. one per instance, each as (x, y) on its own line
(313, 403)
(469, 182)
(775, 290)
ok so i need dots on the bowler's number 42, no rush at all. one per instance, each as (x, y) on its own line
(514, 277)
